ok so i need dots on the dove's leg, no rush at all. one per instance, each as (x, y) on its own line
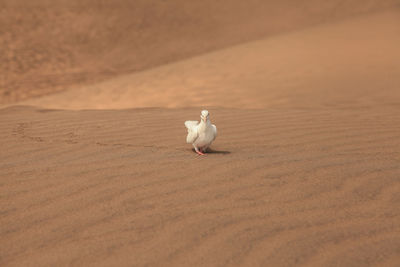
(197, 150)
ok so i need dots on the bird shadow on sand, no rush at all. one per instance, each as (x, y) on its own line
(212, 151)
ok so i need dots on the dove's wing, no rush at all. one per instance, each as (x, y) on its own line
(214, 130)
(192, 131)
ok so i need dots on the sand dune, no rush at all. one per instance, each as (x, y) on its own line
(282, 187)
(345, 64)
(48, 46)
(304, 171)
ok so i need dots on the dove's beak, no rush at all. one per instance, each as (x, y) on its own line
(204, 118)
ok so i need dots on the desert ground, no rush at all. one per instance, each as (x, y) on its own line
(94, 167)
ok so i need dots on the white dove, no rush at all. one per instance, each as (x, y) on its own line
(201, 134)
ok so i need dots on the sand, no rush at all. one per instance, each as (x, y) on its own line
(305, 169)
(122, 188)
(352, 63)
(49, 46)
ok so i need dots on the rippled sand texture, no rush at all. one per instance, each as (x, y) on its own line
(94, 168)
(121, 188)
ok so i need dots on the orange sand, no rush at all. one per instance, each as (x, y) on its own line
(305, 169)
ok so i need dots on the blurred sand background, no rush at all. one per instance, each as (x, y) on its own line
(94, 169)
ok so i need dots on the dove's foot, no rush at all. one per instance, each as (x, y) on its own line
(198, 151)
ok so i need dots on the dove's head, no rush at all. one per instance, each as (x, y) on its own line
(204, 115)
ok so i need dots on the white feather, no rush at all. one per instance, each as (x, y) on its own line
(215, 131)
(192, 131)
(202, 134)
